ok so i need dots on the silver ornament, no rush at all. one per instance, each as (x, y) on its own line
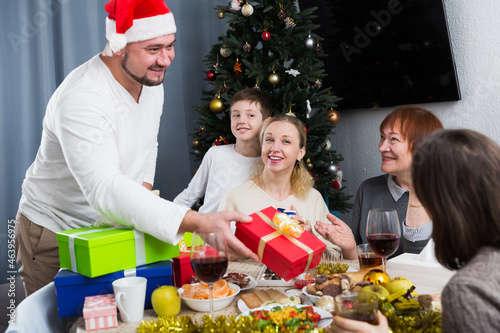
(310, 43)
(225, 51)
(332, 169)
(327, 144)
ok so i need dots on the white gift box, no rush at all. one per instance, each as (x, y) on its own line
(429, 277)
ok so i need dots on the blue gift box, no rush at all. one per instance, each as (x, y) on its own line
(72, 288)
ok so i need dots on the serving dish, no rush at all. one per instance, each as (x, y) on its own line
(203, 305)
(325, 321)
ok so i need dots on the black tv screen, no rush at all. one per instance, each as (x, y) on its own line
(386, 53)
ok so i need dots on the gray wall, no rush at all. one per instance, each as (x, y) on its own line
(474, 32)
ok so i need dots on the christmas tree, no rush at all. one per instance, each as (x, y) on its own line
(271, 46)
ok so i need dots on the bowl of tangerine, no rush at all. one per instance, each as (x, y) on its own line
(197, 295)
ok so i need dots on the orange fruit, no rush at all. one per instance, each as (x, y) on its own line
(202, 292)
(189, 291)
(221, 289)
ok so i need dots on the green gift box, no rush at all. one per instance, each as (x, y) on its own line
(187, 238)
(98, 251)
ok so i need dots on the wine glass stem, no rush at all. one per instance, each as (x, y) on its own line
(384, 263)
(211, 289)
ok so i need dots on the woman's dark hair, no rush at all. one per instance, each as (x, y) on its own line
(456, 176)
(413, 123)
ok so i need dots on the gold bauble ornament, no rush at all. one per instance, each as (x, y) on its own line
(217, 105)
(220, 14)
(273, 78)
(196, 143)
(247, 10)
(309, 164)
(377, 276)
(332, 116)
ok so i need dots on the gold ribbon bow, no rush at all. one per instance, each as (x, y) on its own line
(277, 233)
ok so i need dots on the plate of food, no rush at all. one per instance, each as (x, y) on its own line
(314, 318)
(244, 281)
(265, 297)
(332, 285)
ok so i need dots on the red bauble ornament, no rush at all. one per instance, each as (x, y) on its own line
(335, 184)
(266, 35)
(221, 141)
(306, 129)
(211, 75)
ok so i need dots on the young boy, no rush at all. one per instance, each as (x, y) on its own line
(228, 166)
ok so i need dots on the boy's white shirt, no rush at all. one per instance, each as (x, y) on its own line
(221, 169)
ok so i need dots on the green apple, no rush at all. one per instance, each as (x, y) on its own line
(399, 283)
(371, 289)
(166, 301)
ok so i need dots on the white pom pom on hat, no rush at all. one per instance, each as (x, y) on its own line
(136, 20)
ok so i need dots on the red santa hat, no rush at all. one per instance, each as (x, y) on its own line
(136, 20)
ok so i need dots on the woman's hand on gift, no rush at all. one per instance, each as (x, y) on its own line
(302, 220)
(343, 325)
(338, 233)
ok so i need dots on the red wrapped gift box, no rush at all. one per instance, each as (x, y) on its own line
(182, 269)
(286, 256)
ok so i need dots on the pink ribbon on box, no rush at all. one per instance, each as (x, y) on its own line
(99, 306)
(100, 301)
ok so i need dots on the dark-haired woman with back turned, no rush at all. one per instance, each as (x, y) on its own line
(456, 174)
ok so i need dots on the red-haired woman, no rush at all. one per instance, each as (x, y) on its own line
(400, 133)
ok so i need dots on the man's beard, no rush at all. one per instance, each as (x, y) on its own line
(142, 80)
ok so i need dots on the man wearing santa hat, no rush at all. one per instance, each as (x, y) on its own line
(98, 151)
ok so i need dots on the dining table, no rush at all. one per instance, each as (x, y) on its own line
(426, 278)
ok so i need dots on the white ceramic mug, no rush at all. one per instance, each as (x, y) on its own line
(130, 295)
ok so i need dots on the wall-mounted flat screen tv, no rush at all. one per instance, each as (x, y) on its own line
(383, 53)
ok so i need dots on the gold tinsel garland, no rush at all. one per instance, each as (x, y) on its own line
(222, 324)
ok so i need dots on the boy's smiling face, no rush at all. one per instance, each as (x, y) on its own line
(246, 120)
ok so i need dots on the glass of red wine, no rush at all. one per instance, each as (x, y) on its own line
(383, 232)
(209, 259)
(360, 307)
